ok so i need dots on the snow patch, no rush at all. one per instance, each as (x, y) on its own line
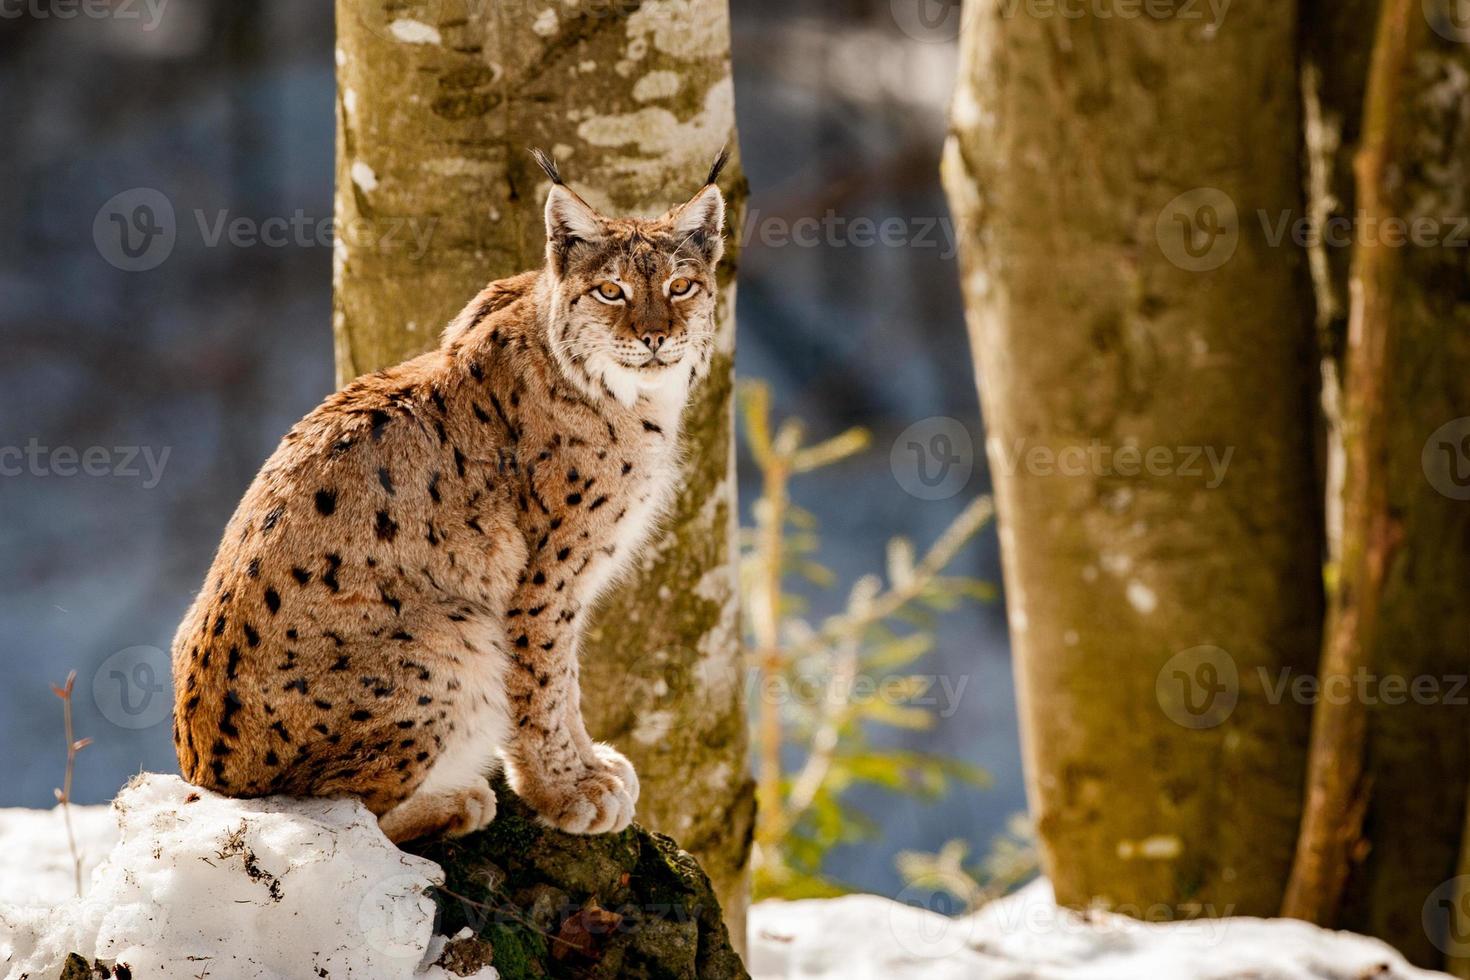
(264, 889)
(1027, 937)
(35, 863)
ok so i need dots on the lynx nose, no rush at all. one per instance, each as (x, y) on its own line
(654, 339)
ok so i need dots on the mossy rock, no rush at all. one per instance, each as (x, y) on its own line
(547, 904)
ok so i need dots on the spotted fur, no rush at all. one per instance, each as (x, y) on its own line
(399, 597)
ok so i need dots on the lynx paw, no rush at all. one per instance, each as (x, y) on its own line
(474, 810)
(453, 814)
(596, 798)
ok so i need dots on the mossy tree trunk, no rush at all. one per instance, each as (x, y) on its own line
(438, 101)
(1124, 299)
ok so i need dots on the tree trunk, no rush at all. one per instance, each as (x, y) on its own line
(1418, 756)
(1115, 182)
(1338, 787)
(438, 101)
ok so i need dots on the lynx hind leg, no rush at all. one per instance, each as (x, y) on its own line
(452, 813)
(455, 797)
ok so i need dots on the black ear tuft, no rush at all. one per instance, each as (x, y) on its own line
(547, 164)
(719, 165)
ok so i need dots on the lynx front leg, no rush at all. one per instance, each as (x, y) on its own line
(573, 783)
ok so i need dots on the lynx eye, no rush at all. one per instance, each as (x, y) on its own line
(681, 286)
(609, 292)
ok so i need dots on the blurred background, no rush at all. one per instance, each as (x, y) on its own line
(135, 406)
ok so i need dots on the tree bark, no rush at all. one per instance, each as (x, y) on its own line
(1107, 312)
(1418, 756)
(1338, 784)
(438, 101)
(1337, 47)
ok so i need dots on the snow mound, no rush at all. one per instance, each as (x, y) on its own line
(1027, 937)
(35, 862)
(268, 889)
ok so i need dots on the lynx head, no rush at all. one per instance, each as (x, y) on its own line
(633, 299)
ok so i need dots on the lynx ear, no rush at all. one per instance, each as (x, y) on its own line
(701, 221)
(570, 219)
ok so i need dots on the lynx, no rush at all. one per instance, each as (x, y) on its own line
(397, 601)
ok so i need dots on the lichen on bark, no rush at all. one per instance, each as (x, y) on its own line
(438, 102)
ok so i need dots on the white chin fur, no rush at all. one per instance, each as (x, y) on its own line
(619, 380)
(626, 384)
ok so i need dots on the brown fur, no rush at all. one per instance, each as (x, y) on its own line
(401, 591)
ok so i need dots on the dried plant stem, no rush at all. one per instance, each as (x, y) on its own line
(839, 635)
(889, 602)
(63, 795)
(824, 743)
(842, 633)
(766, 620)
(779, 642)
